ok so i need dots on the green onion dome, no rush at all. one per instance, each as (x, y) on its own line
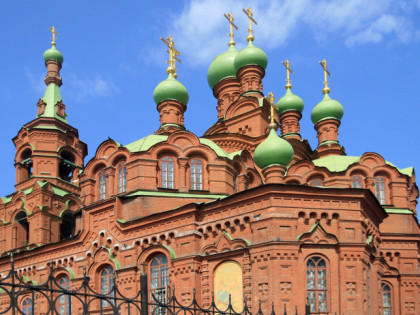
(273, 150)
(251, 55)
(222, 67)
(327, 109)
(53, 54)
(171, 89)
(289, 102)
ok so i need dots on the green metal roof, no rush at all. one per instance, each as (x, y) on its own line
(51, 97)
(145, 143)
(340, 163)
(399, 211)
(218, 150)
(149, 141)
(60, 192)
(49, 127)
(6, 199)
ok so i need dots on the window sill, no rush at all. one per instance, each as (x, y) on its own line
(198, 191)
(167, 189)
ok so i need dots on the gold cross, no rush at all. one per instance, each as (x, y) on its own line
(53, 31)
(287, 65)
(232, 25)
(173, 53)
(248, 12)
(271, 100)
(324, 66)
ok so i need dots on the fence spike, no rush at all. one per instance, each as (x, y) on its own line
(296, 313)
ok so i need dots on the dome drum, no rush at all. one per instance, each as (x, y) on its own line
(251, 78)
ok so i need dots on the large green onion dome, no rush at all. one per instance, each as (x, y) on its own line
(53, 54)
(289, 102)
(273, 150)
(171, 89)
(327, 109)
(250, 55)
(222, 67)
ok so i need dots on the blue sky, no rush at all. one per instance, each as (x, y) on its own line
(113, 60)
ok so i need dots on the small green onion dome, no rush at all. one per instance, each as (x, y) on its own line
(171, 89)
(289, 102)
(273, 150)
(327, 109)
(222, 67)
(53, 54)
(250, 55)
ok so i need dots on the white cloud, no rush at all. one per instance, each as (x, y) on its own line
(201, 30)
(36, 82)
(79, 88)
(84, 89)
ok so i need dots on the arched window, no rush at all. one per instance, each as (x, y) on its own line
(67, 166)
(168, 172)
(356, 182)
(22, 229)
(386, 299)
(159, 280)
(68, 226)
(380, 189)
(122, 178)
(196, 168)
(315, 182)
(64, 307)
(27, 306)
(102, 185)
(107, 281)
(316, 284)
(26, 162)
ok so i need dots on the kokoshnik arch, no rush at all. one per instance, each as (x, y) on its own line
(240, 210)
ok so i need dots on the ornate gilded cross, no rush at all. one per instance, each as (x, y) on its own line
(53, 31)
(173, 53)
(232, 25)
(287, 65)
(271, 100)
(324, 66)
(248, 12)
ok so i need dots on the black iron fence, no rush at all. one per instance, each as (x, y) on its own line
(18, 295)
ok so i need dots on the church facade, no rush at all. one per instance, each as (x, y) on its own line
(244, 209)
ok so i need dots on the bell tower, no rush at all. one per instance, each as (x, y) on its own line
(48, 148)
(49, 157)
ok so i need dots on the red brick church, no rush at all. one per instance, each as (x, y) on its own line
(244, 209)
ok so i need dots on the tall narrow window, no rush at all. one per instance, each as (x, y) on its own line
(167, 172)
(68, 226)
(26, 162)
(102, 185)
(122, 178)
(316, 284)
(196, 174)
(386, 299)
(159, 279)
(64, 300)
(107, 280)
(356, 182)
(27, 306)
(380, 189)
(22, 229)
